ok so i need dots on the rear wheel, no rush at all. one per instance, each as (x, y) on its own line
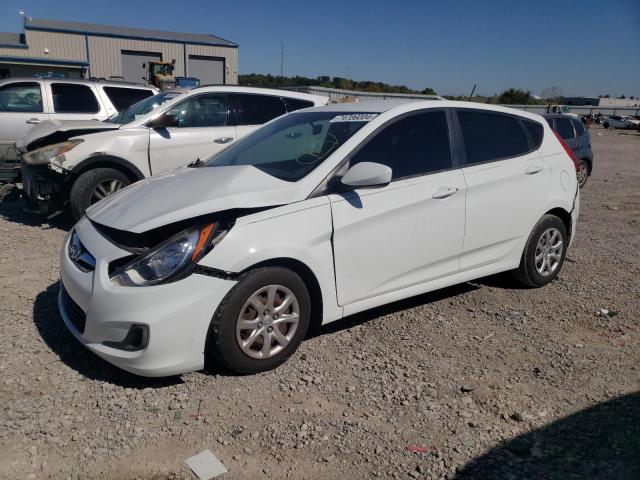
(261, 322)
(582, 172)
(92, 186)
(544, 253)
(605, 124)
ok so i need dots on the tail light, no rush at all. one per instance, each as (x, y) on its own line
(573, 158)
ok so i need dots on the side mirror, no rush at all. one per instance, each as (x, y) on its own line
(164, 121)
(367, 174)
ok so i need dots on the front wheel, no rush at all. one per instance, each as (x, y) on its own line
(544, 253)
(261, 322)
(92, 186)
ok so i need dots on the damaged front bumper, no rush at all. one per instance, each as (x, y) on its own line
(45, 187)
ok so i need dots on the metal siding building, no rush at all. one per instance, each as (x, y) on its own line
(104, 51)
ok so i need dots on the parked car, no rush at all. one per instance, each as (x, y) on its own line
(317, 215)
(621, 121)
(25, 102)
(577, 137)
(87, 161)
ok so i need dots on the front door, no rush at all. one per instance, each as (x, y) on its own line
(410, 231)
(203, 130)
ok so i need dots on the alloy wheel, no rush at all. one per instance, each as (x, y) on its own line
(267, 322)
(548, 252)
(582, 173)
(106, 188)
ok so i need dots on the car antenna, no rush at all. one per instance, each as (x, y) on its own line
(472, 92)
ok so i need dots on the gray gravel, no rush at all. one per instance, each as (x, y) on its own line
(482, 379)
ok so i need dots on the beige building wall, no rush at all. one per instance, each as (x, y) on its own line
(61, 46)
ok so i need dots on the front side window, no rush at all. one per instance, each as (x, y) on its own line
(491, 136)
(142, 108)
(73, 98)
(122, 98)
(415, 145)
(564, 128)
(292, 146)
(23, 97)
(207, 110)
(257, 109)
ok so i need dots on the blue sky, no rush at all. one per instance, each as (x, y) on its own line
(584, 47)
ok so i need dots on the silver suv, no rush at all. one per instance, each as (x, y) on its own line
(25, 102)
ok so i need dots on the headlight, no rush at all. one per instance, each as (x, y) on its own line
(51, 152)
(171, 260)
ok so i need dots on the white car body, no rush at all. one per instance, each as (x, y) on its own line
(361, 248)
(14, 123)
(620, 121)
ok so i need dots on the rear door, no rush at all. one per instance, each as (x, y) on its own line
(251, 110)
(204, 129)
(507, 182)
(75, 101)
(22, 105)
(410, 231)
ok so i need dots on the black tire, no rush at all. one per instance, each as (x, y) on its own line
(605, 124)
(527, 274)
(222, 344)
(582, 179)
(82, 188)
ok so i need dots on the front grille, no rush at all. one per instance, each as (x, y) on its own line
(73, 311)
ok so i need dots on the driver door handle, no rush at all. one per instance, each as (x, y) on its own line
(533, 170)
(34, 121)
(223, 140)
(444, 192)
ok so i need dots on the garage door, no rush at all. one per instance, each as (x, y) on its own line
(207, 69)
(135, 65)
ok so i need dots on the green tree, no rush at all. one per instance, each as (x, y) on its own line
(515, 96)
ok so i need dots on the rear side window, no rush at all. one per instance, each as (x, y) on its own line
(73, 98)
(579, 127)
(25, 97)
(535, 131)
(415, 145)
(257, 109)
(564, 128)
(125, 97)
(297, 104)
(491, 136)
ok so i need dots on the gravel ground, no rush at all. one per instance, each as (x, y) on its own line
(482, 380)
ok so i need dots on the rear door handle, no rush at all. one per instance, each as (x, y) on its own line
(533, 170)
(444, 192)
(34, 121)
(223, 140)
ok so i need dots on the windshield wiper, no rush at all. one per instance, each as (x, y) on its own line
(196, 164)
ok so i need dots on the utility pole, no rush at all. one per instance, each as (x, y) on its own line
(282, 59)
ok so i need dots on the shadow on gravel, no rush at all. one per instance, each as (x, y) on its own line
(55, 334)
(600, 442)
(363, 317)
(14, 212)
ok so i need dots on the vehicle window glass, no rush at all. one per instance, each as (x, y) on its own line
(491, 136)
(208, 110)
(125, 97)
(21, 97)
(550, 122)
(564, 128)
(257, 109)
(579, 127)
(142, 108)
(297, 104)
(73, 98)
(535, 132)
(293, 145)
(415, 145)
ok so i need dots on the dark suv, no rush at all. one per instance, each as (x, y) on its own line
(577, 137)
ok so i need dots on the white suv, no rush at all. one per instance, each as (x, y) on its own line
(318, 215)
(160, 133)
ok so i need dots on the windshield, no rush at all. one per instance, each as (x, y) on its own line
(293, 145)
(141, 108)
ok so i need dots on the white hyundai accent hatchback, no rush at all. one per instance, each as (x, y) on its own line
(317, 215)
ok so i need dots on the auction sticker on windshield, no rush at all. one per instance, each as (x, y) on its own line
(354, 117)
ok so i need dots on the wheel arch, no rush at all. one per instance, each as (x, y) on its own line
(132, 172)
(563, 215)
(308, 277)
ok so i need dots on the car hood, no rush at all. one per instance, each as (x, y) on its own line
(187, 193)
(54, 131)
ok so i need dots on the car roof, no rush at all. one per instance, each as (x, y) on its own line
(257, 91)
(80, 81)
(556, 115)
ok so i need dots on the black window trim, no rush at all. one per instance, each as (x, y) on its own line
(328, 186)
(460, 137)
(233, 107)
(191, 97)
(286, 99)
